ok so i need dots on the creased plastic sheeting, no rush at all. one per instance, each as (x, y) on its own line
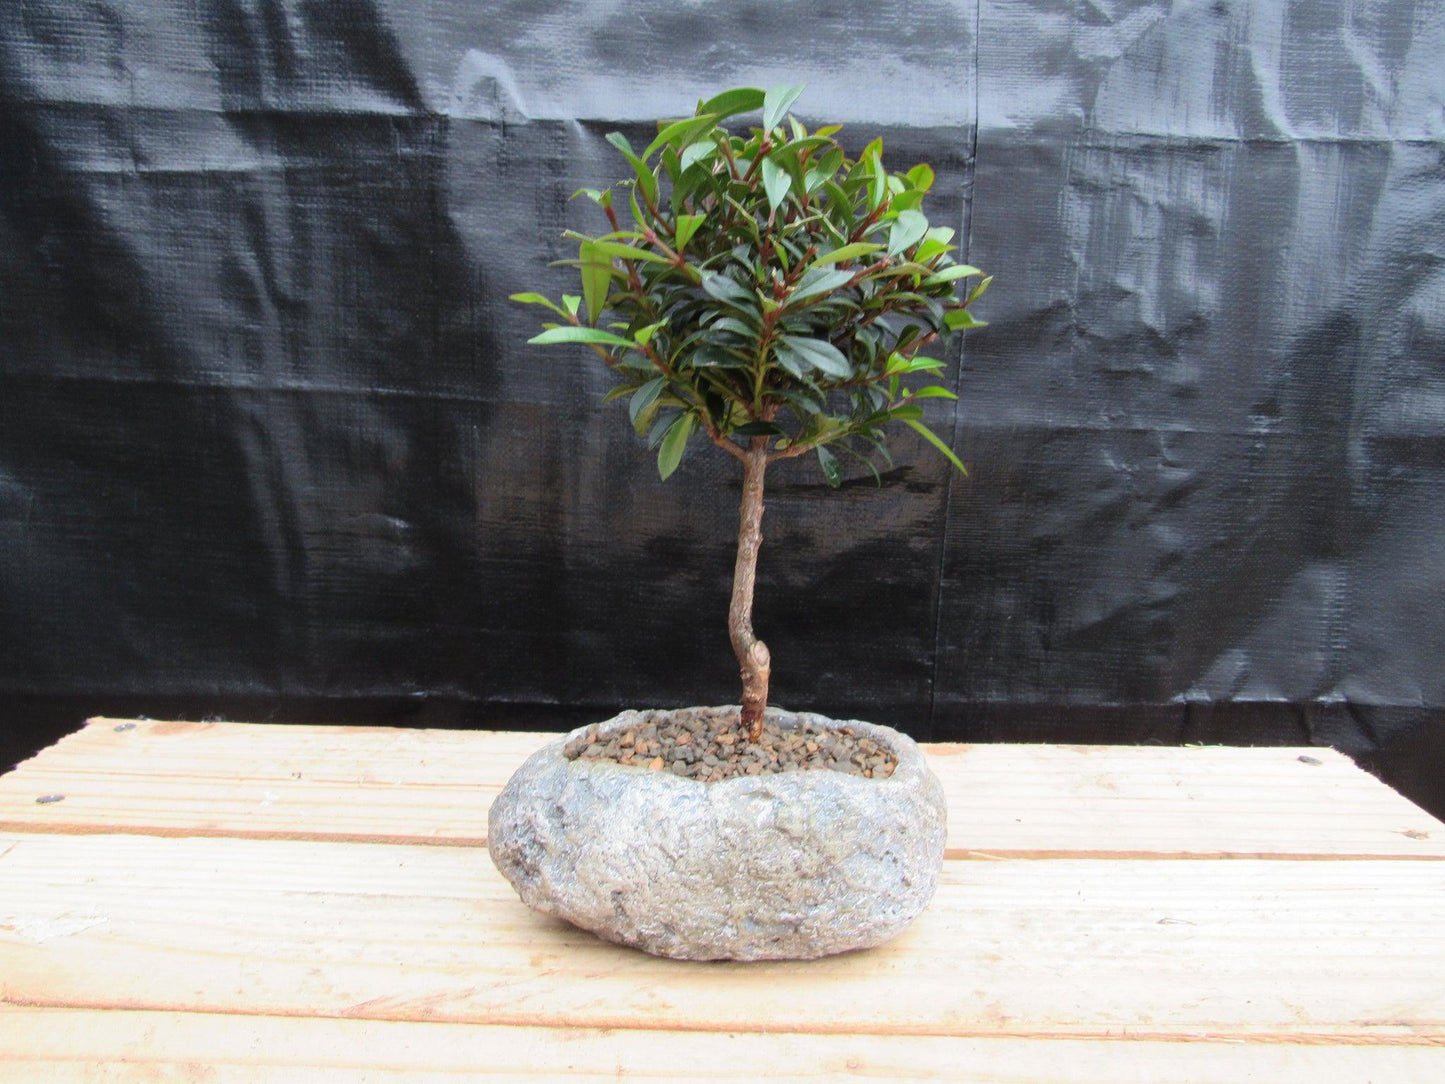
(1214, 514)
(270, 435)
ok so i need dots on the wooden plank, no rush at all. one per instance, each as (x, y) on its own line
(382, 784)
(1267, 952)
(70, 1047)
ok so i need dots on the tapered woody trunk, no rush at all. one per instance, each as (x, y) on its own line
(753, 658)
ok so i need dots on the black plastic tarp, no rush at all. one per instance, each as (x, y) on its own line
(271, 439)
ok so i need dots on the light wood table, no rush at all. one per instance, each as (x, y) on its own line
(221, 901)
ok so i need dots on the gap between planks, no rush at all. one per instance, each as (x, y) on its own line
(1407, 1038)
(950, 854)
(211, 1047)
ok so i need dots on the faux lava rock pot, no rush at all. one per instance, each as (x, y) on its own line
(792, 865)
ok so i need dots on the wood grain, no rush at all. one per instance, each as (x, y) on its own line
(376, 784)
(1265, 952)
(233, 902)
(130, 1047)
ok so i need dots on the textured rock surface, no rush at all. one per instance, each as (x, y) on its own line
(787, 866)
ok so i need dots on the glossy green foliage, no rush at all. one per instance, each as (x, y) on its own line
(765, 286)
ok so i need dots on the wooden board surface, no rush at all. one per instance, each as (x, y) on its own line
(1257, 950)
(66, 1046)
(435, 786)
(229, 902)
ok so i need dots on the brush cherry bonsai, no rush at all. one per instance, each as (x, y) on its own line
(777, 298)
(772, 294)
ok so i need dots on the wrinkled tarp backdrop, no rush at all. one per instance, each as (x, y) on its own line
(272, 445)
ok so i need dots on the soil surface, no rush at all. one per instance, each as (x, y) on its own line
(707, 746)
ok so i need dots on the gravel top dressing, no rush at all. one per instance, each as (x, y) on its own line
(706, 746)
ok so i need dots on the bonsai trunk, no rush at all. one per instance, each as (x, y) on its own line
(752, 653)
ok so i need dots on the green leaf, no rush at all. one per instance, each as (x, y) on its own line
(570, 334)
(603, 197)
(932, 391)
(617, 392)
(674, 444)
(907, 230)
(933, 438)
(958, 319)
(709, 356)
(829, 462)
(847, 252)
(537, 299)
(571, 303)
(818, 280)
(973, 295)
(737, 100)
(627, 252)
(680, 132)
(948, 274)
(921, 176)
(816, 353)
(696, 152)
(729, 292)
(736, 326)
(776, 102)
(776, 182)
(687, 226)
(596, 279)
(801, 401)
(930, 248)
(839, 204)
(643, 335)
(644, 397)
(645, 179)
(897, 363)
(878, 187)
(824, 169)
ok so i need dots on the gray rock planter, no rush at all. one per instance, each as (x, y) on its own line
(787, 866)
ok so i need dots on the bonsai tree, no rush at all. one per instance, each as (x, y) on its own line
(772, 294)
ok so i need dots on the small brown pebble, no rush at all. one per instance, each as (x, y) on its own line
(627, 739)
(655, 764)
(726, 739)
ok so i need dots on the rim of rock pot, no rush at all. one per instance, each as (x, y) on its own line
(910, 765)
